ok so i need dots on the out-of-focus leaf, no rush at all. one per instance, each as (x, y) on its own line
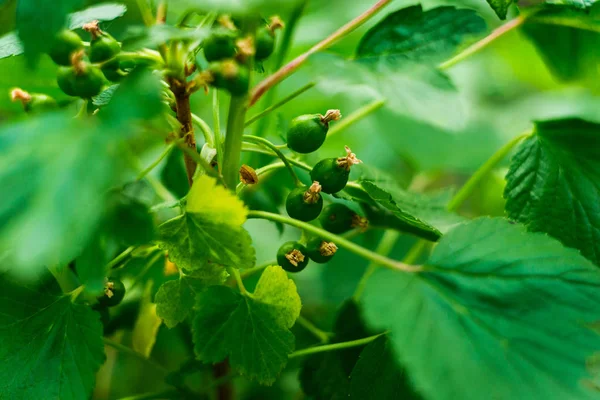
(421, 36)
(138, 37)
(146, 326)
(553, 184)
(173, 174)
(175, 299)
(103, 98)
(507, 313)
(100, 12)
(10, 45)
(236, 7)
(51, 347)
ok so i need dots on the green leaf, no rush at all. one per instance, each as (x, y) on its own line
(237, 7)
(128, 221)
(553, 184)
(173, 175)
(325, 376)
(51, 348)
(210, 231)
(251, 330)
(424, 215)
(421, 36)
(103, 98)
(10, 45)
(568, 41)
(139, 37)
(143, 335)
(38, 21)
(100, 12)
(500, 7)
(377, 375)
(497, 312)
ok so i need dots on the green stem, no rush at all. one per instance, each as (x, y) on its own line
(292, 161)
(476, 47)
(264, 142)
(466, 190)
(82, 113)
(293, 65)
(281, 102)
(338, 240)
(233, 140)
(133, 353)
(251, 271)
(355, 116)
(162, 156)
(238, 279)
(145, 12)
(217, 127)
(117, 260)
(66, 278)
(309, 326)
(165, 394)
(414, 252)
(386, 245)
(209, 136)
(335, 346)
(144, 271)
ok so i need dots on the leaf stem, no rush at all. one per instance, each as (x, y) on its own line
(466, 190)
(476, 47)
(145, 12)
(251, 271)
(133, 353)
(65, 277)
(165, 394)
(338, 240)
(233, 140)
(265, 143)
(238, 279)
(281, 102)
(386, 245)
(312, 328)
(355, 116)
(217, 129)
(209, 136)
(117, 260)
(335, 346)
(293, 65)
(155, 163)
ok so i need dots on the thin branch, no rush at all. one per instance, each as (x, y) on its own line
(281, 102)
(335, 346)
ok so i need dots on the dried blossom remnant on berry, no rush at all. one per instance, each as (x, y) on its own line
(18, 94)
(331, 115)
(229, 69)
(311, 196)
(226, 22)
(327, 249)
(359, 222)
(349, 160)
(77, 61)
(109, 289)
(295, 257)
(275, 23)
(248, 175)
(245, 47)
(92, 28)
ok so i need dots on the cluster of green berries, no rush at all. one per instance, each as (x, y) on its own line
(306, 134)
(228, 54)
(83, 71)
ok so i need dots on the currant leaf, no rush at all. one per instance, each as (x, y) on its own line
(490, 289)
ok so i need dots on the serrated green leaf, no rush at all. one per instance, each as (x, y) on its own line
(100, 12)
(497, 312)
(553, 184)
(421, 214)
(210, 231)
(500, 7)
(10, 45)
(37, 21)
(51, 348)
(377, 375)
(325, 376)
(250, 330)
(103, 98)
(420, 36)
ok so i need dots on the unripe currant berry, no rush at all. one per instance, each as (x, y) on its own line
(114, 292)
(305, 203)
(320, 251)
(265, 39)
(33, 102)
(220, 44)
(64, 45)
(81, 79)
(339, 218)
(291, 256)
(103, 46)
(231, 76)
(308, 132)
(333, 173)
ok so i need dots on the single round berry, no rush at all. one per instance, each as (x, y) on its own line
(333, 173)
(114, 291)
(305, 203)
(83, 81)
(230, 76)
(264, 43)
(308, 132)
(320, 251)
(291, 256)
(339, 218)
(65, 44)
(103, 48)
(220, 45)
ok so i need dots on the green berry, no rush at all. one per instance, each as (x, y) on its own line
(112, 71)
(339, 218)
(230, 76)
(264, 43)
(320, 251)
(305, 203)
(114, 292)
(292, 257)
(86, 81)
(220, 45)
(333, 173)
(33, 102)
(65, 44)
(103, 48)
(308, 132)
